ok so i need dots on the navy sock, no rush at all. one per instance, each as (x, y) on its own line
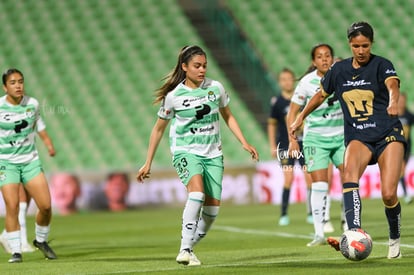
(352, 204)
(285, 200)
(394, 220)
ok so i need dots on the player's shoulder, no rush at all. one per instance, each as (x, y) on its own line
(209, 83)
(342, 64)
(29, 100)
(379, 59)
(3, 100)
(310, 78)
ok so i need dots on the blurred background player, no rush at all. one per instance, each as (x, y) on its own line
(194, 103)
(407, 119)
(323, 138)
(279, 143)
(24, 197)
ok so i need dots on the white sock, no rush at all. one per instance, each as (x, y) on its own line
(308, 201)
(22, 222)
(318, 200)
(191, 214)
(42, 233)
(208, 216)
(13, 239)
(328, 208)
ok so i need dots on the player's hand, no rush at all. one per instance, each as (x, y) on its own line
(392, 110)
(253, 152)
(294, 149)
(52, 152)
(143, 173)
(295, 126)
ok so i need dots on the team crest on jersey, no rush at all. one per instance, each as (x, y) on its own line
(211, 96)
(30, 113)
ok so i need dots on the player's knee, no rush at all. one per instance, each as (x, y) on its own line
(389, 198)
(45, 210)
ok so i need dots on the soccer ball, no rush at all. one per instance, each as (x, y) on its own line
(355, 244)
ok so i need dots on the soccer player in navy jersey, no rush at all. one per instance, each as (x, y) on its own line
(279, 143)
(367, 86)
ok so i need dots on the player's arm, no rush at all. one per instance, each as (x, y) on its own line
(47, 141)
(393, 87)
(316, 100)
(155, 138)
(271, 134)
(235, 128)
(293, 112)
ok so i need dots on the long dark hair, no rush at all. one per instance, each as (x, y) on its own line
(177, 75)
(9, 72)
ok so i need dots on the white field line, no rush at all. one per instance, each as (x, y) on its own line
(281, 234)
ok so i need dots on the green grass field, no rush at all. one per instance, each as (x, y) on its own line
(244, 240)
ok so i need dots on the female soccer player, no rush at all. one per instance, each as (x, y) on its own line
(193, 102)
(367, 87)
(323, 139)
(277, 133)
(19, 162)
(24, 198)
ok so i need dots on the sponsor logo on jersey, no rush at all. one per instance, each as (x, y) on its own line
(187, 102)
(202, 130)
(356, 83)
(365, 125)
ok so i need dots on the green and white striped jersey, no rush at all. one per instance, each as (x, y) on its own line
(18, 126)
(195, 116)
(324, 122)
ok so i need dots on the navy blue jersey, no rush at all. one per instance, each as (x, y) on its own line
(363, 96)
(278, 111)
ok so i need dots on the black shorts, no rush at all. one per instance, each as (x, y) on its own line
(377, 147)
(300, 158)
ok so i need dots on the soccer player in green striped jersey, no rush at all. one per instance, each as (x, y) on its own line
(193, 103)
(323, 139)
(20, 163)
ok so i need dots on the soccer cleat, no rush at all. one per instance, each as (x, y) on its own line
(408, 199)
(284, 220)
(317, 241)
(46, 250)
(27, 248)
(394, 251)
(5, 244)
(334, 242)
(309, 219)
(16, 258)
(194, 261)
(184, 256)
(328, 227)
